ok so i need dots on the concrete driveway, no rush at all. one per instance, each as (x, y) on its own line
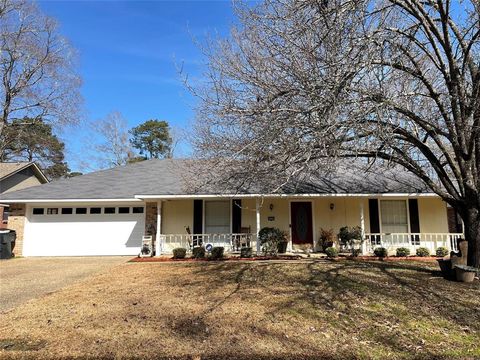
(24, 279)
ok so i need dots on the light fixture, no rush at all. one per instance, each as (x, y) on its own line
(271, 207)
(332, 206)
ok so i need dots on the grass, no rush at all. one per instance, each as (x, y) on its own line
(245, 310)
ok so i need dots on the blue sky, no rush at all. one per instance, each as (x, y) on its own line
(128, 53)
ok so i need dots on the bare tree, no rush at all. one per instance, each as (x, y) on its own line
(301, 83)
(108, 145)
(37, 68)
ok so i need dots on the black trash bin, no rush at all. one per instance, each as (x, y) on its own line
(7, 243)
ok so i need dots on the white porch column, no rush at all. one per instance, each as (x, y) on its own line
(257, 209)
(362, 227)
(158, 245)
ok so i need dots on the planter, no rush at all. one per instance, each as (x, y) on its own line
(465, 274)
(446, 268)
(282, 247)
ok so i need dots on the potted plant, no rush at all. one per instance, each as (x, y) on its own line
(351, 236)
(465, 273)
(326, 239)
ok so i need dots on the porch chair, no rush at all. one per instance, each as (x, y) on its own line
(193, 240)
(242, 239)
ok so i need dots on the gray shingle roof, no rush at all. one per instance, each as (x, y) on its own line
(167, 177)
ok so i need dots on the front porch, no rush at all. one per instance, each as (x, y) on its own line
(385, 220)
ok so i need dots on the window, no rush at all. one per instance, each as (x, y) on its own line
(81, 211)
(124, 210)
(394, 216)
(137, 210)
(5, 215)
(67, 211)
(109, 210)
(217, 217)
(95, 210)
(52, 211)
(38, 211)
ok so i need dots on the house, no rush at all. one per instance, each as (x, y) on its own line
(16, 176)
(107, 212)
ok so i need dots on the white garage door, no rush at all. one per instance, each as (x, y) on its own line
(83, 230)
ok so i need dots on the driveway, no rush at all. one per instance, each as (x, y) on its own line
(24, 279)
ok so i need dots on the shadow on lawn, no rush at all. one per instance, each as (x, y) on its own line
(372, 300)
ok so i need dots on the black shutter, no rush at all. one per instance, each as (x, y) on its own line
(374, 221)
(414, 219)
(236, 216)
(198, 216)
(374, 218)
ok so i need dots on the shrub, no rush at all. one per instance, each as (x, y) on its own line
(271, 239)
(326, 239)
(356, 252)
(423, 252)
(381, 252)
(442, 251)
(403, 252)
(348, 234)
(179, 253)
(246, 252)
(198, 252)
(331, 252)
(217, 252)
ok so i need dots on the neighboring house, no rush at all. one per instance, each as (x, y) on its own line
(107, 212)
(16, 176)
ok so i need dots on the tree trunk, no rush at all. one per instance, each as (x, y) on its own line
(471, 220)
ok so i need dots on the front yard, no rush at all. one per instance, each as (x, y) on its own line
(291, 310)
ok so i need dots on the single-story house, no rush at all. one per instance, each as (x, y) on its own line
(16, 176)
(108, 212)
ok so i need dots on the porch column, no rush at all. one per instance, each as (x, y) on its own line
(158, 246)
(257, 209)
(362, 227)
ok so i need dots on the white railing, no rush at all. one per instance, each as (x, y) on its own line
(232, 242)
(412, 241)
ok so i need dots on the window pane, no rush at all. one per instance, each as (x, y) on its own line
(394, 216)
(67, 211)
(137, 210)
(81, 211)
(217, 217)
(52, 211)
(109, 210)
(38, 211)
(95, 210)
(123, 210)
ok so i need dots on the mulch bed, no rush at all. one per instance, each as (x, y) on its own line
(392, 258)
(231, 258)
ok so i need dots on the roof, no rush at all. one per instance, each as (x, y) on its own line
(8, 169)
(168, 178)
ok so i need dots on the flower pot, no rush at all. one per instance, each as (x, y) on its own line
(446, 268)
(465, 276)
(282, 247)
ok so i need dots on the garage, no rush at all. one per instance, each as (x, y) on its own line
(80, 230)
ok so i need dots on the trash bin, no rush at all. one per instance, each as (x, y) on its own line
(7, 243)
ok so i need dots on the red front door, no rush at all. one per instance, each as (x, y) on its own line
(301, 220)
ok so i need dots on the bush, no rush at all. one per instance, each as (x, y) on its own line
(331, 252)
(246, 252)
(356, 252)
(423, 252)
(271, 239)
(442, 251)
(381, 252)
(403, 252)
(179, 253)
(348, 234)
(217, 252)
(198, 252)
(327, 238)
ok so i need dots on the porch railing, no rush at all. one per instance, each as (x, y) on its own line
(412, 241)
(232, 242)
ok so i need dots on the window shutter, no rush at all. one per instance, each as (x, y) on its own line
(374, 219)
(236, 216)
(414, 218)
(198, 216)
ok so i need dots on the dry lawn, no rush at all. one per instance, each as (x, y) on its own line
(247, 310)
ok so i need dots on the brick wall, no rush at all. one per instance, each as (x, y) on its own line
(16, 221)
(151, 219)
(3, 224)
